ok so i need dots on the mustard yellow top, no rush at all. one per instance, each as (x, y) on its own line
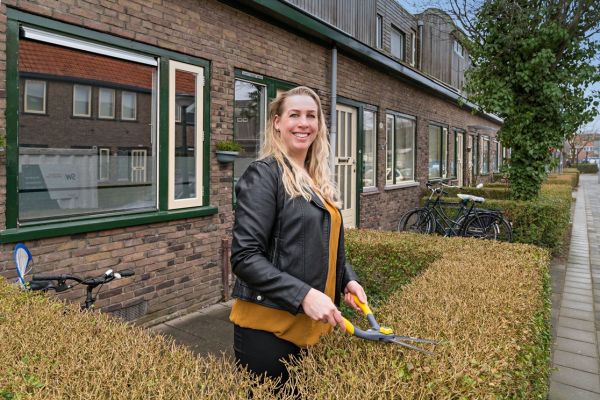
(298, 329)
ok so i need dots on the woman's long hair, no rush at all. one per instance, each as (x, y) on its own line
(296, 181)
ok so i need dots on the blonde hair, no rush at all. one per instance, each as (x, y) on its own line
(317, 175)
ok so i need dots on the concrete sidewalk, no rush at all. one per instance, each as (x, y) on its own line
(576, 303)
(575, 309)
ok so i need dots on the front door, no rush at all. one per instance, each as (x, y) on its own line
(345, 162)
(459, 158)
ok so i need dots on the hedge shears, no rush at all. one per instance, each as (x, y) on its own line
(380, 333)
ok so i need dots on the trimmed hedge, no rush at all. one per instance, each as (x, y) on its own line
(487, 301)
(587, 168)
(569, 178)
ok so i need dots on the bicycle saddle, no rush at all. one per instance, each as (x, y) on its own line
(469, 197)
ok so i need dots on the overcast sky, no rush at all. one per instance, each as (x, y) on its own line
(416, 6)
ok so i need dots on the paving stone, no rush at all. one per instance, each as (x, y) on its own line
(578, 285)
(576, 346)
(578, 280)
(580, 379)
(578, 297)
(576, 361)
(576, 334)
(583, 292)
(580, 324)
(577, 305)
(578, 314)
(560, 391)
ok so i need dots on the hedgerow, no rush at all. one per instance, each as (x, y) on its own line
(486, 301)
(587, 168)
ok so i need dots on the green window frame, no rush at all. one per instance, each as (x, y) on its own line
(438, 155)
(398, 171)
(18, 231)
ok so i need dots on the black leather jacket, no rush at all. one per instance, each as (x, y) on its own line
(279, 256)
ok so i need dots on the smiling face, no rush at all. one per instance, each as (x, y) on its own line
(298, 125)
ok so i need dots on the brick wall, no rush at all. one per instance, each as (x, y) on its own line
(178, 264)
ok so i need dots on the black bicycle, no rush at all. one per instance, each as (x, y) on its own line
(462, 218)
(60, 283)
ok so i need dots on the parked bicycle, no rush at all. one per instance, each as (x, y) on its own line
(60, 283)
(462, 218)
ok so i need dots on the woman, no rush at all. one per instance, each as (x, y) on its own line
(288, 241)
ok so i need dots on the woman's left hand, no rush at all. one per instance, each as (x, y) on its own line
(354, 288)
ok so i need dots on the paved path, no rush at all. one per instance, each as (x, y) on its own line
(576, 303)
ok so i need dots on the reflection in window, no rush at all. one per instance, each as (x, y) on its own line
(128, 106)
(82, 101)
(485, 155)
(400, 151)
(106, 103)
(435, 151)
(450, 153)
(35, 96)
(185, 139)
(249, 117)
(70, 167)
(369, 151)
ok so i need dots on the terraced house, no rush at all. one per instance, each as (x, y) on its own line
(112, 110)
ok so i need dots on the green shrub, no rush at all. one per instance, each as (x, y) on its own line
(228, 145)
(571, 179)
(489, 192)
(587, 168)
(486, 301)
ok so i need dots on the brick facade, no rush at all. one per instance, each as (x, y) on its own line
(178, 264)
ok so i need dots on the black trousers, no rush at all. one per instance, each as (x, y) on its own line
(262, 352)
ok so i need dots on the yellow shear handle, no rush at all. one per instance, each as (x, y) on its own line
(349, 326)
(365, 308)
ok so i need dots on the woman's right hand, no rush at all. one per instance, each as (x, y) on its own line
(319, 307)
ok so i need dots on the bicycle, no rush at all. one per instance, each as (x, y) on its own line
(59, 283)
(468, 220)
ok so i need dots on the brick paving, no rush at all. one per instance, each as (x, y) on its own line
(576, 303)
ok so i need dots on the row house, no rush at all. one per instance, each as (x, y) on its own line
(112, 110)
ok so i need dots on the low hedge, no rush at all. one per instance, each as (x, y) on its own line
(587, 168)
(486, 301)
(571, 179)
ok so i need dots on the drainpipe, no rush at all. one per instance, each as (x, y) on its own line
(420, 27)
(333, 118)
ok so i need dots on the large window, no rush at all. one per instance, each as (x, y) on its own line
(400, 148)
(369, 148)
(498, 156)
(397, 43)
(35, 97)
(475, 155)
(450, 146)
(94, 151)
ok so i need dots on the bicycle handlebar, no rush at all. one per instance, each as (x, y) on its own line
(106, 277)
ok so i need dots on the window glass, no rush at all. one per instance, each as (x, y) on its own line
(498, 157)
(435, 151)
(35, 96)
(485, 155)
(401, 149)
(82, 101)
(413, 47)
(128, 105)
(475, 155)
(249, 122)
(397, 43)
(61, 171)
(106, 103)
(369, 150)
(451, 154)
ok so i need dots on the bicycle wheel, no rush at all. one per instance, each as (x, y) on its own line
(489, 226)
(418, 220)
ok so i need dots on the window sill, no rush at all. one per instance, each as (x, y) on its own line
(401, 185)
(370, 190)
(98, 224)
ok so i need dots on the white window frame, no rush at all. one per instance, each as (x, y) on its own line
(89, 106)
(103, 159)
(113, 96)
(29, 110)
(198, 134)
(404, 182)
(482, 153)
(123, 93)
(402, 37)
(458, 48)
